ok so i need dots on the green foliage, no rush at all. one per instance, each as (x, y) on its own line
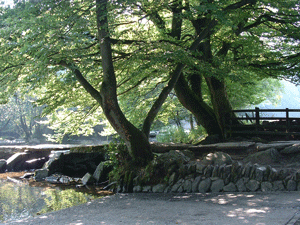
(42, 42)
(120, 159)
(178, 135)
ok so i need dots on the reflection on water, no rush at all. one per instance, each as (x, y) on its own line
(19, 201)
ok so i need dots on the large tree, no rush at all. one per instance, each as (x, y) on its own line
(62, 47)
(241, 39)
(108, 49)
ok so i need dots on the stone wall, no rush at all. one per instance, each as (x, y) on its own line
(202, 176)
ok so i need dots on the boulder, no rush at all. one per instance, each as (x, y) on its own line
(88, 179)
(195, 184)
(217, 185)
(291, 185)
(2, 165)
(231, 187)
(264, 157)
(278, 185)
(217, 158)
(241, 184)
(34, 164)
(291, 149)
(74, 163)
(253, 185)
(40, 174)
(187, 185)
(176, 186)
(159, 188)
(27, 160)
(102, 171)
(204, 185)
(16, 162)
(266, 186)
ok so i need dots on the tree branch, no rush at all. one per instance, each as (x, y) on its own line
(86, 85)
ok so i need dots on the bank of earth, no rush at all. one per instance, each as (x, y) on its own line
(222, 167)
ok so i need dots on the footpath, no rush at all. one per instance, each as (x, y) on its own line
(261, 208)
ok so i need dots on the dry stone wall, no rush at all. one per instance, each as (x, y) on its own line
(217, 172)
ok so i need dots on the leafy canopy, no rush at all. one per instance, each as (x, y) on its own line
(42, 41)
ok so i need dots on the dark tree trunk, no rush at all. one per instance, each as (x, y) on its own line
(194, 103)
(221, 104)
(137, 143)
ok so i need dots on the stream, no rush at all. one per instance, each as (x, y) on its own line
(20, 200)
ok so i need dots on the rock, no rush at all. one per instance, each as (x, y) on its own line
(247, 170)
(291, 185)
(236, 171)
(298, 187)
(215, 172)
(187, 186)
(137, 188)
(27, 175)
(266, 186)
(16, 161)
(74, 163)
(291, 149)
(278, 185)
(195, 184)
(102, 171)
(173, 178)
(200, 168)
(88, 179)
(217, 158)
(41, 174)
(204, 185)
(147, 189)
(35, 163)
(260, 173)
(230, 187)
(177, 186)
(275, 155)
(217, 185)
(27, 160)
(2, 165)
(54, 179)
(241, 184)
(189, 154)
(208, 171)
(64, 179)
(253, 185)
(273, 174)
(159, 188)
(264, 157)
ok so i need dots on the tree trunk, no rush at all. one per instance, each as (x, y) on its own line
(195, 104)
(221, 104)
(137, 143)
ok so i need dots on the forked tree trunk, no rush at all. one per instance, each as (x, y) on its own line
(137, 143)
(195, 104)
(221, 104)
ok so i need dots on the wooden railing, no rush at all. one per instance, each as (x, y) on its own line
(259, 124)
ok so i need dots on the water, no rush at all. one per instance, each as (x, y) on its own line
(20, 201)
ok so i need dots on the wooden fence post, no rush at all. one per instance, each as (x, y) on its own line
(287, 123)
(257, 117)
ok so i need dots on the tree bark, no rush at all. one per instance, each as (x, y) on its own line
(195, 104)
(137, 143)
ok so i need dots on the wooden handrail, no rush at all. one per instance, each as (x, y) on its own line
(256, 118)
